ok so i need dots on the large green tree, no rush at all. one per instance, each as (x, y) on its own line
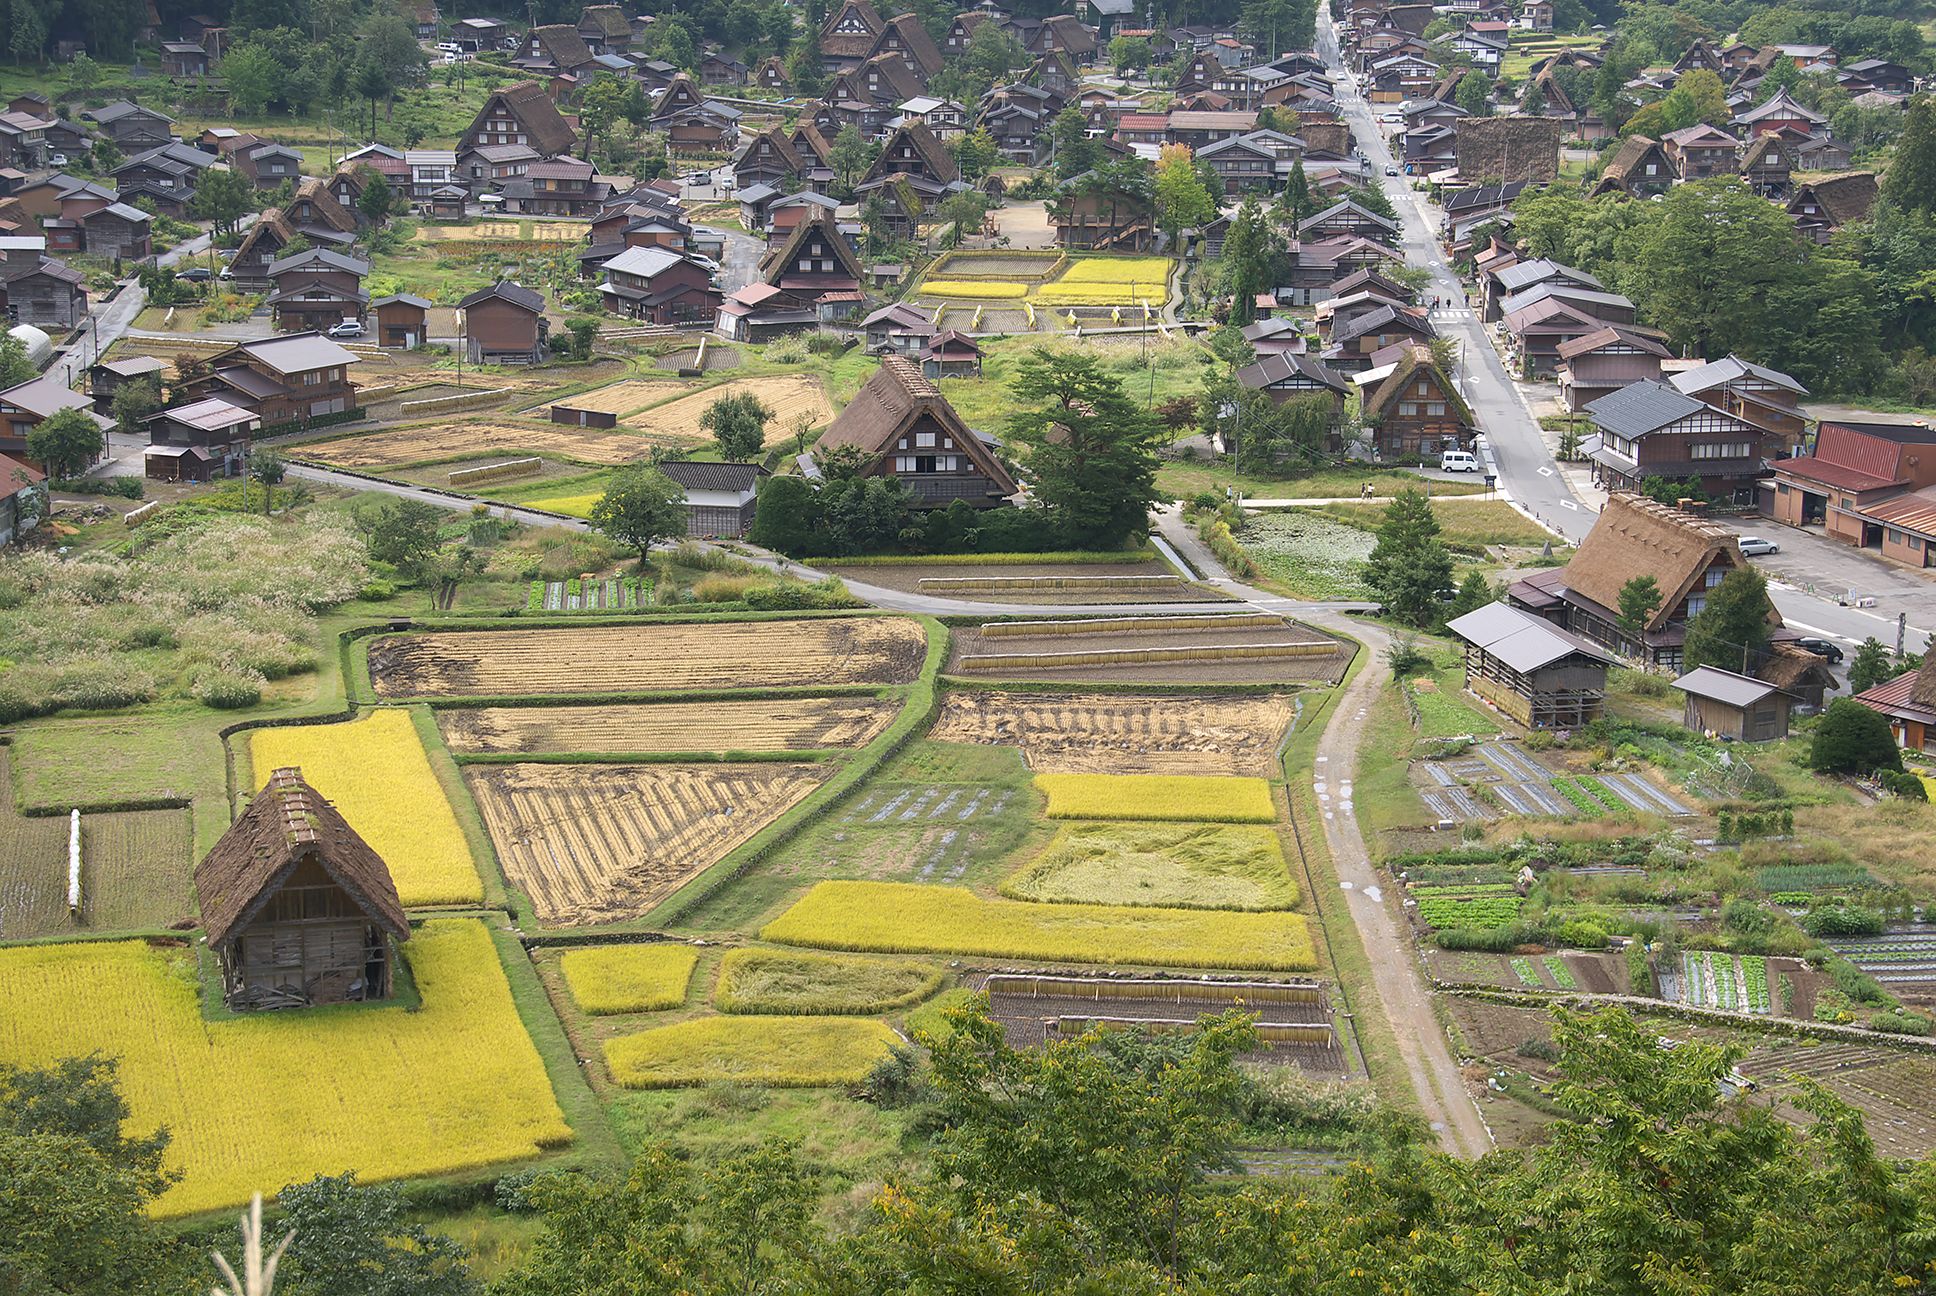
(1732, 631)
(1409, 567)
(641, 506)
(356, 1240)
(66, 442)
(1090, 451)
(1910, 181)
(1871, 666)
(1182, 202)
(1852, 739)
(737, 424)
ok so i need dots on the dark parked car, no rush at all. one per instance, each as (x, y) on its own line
(1822, 648)
(195, 274)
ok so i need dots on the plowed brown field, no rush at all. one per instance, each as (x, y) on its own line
(1081, 733)
(781, 724)
(603, 843)
(458, 435)
(789, 398)
(623, 659)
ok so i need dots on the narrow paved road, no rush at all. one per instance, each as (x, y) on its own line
(1519, 452)
(110, 320)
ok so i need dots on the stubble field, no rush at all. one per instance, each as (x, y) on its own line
(1086, 733)
(778, 724)
(604, 843)
(622, 659)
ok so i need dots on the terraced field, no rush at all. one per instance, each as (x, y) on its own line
(462, 438)
(603, 843)
(1090, 733)
(635, 658)
(790, 397)
(779, 724)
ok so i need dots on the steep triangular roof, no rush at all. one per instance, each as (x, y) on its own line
(1767, 151)
(287, 823)
(680, 96)
(544, 128)
(894, 398)
(1637, 536)
(916, 46)
(783, 153)
(1410, 364)
(807, 138)
(327, 211)
(774, 263)
(563, 45)
(913, 149)
(1842, 198)
(863, 22)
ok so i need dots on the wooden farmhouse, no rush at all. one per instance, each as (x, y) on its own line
(1540, 675)
(297, 908)
(911, 432)
(1909, 702)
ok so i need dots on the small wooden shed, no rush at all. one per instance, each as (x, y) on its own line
(1734, 706)
(951, 354)
(402, 320)
(297, 908)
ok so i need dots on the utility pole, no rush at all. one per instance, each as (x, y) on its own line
(1902, 629)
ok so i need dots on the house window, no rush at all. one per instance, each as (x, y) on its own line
(1407, 409)
(1436, 408)
(1696, 605)
(1715, 575)
(925, 440)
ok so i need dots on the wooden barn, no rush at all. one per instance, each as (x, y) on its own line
(297, 908)
(1728, 705)
(1532, 670)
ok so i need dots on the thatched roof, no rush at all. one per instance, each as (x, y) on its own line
(1767, 151)
(1632, 152)
(890, 402)
(544, 129)
(919, 47)
(563, 45)
(288, 823)
(916, 150)
(775, 263)
(1842, 198)
(323, 203)
(1635, 536)
(1415, 362)
(1509, 148)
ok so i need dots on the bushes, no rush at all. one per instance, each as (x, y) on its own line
(227, 689)
(1852, 739)
(1842, 920)
(121, 487)
(1907, 786)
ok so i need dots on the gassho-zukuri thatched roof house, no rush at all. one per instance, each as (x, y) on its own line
(297, 908)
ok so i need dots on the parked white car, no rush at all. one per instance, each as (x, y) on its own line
(1458, 461)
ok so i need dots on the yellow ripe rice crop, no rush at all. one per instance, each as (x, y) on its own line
(629, 978)
(910, 917)
(791, 1052)
(1116, 270)
(1170, 797)
(271, 1099)
(989, 290)
(578, 506)
(780, 981)
(1100, 294)
(376, 772)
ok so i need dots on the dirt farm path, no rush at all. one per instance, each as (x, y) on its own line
(1395, 972)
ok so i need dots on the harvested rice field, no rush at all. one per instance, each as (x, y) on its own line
(1278, 652)
(778, 724)
(790, 397)
(456, 437)
(625, 397)
(505, 231)
(1146, 582)
(786, 1052)
(636, 658)
(604, 843)
(1088, 733)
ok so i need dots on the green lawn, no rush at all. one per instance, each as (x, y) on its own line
(987, 402)
(1187, 477)
(1470, 522)
(1439, 697)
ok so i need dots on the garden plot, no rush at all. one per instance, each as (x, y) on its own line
(458, 437)
(604, 843)
(135, 870)
(636, 658)
(1890, 1089)
(778, 724)
(1083, 733)
(1278, 651)
(1517, 783)
(1729, 982)
(792, 398)
(1906, 958)
(925, 832)
(1294, 1018)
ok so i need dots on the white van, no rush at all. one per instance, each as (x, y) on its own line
(1458, 461)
